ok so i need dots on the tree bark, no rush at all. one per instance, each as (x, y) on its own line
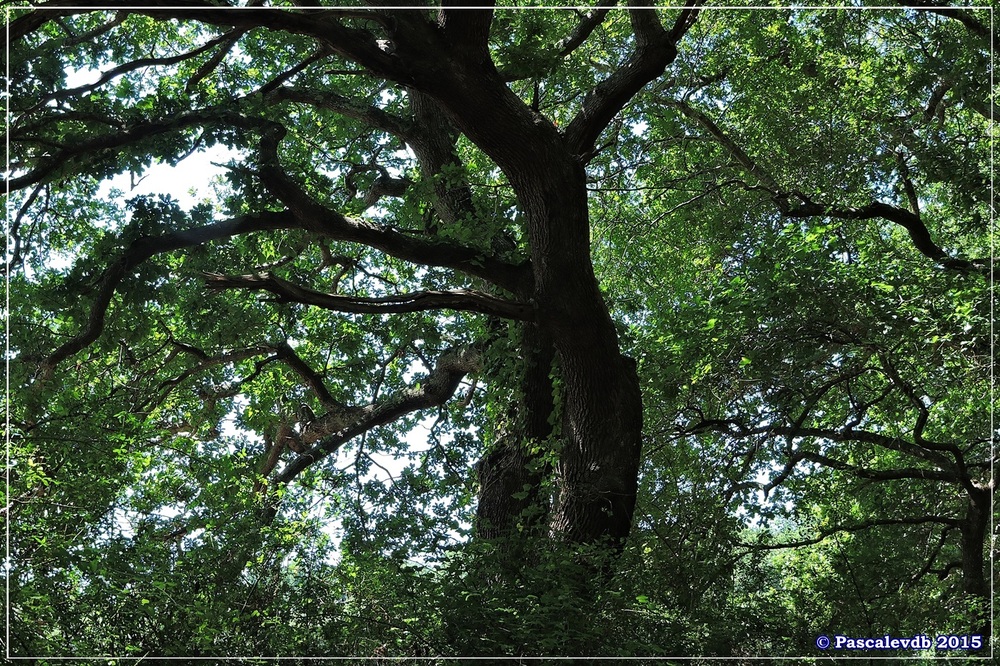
(599, 462)
(973, 531)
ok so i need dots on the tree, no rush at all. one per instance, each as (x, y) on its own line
(419, 198)
(856, 384)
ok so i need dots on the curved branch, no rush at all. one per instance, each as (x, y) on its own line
(583, 30)
(564, 47)
(868, 437)
(92, 35)
(932, 558)
(288, 356)
(142, 249)
(878, 474)
(830, 531)
(204, 363)
(914, 226)
(960, 14)
(119, 139)
(655, 50)
(229, 40)
(735, 428)
(115, 72)
(324, 99)
(456, 299)
(734, 149)
(318, 218)
(326, 27)
(431, 391)
(910, 221)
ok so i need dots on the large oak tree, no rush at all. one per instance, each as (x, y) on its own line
(408, 212)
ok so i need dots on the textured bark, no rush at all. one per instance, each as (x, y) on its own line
(973, 528)
(598, 466)
(434, 146)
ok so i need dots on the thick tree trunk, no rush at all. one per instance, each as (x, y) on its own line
(973, 529)
(602, 412)
(598, 465)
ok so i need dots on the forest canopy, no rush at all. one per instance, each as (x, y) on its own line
(472, 331)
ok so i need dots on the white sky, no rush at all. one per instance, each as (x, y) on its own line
(188, 182)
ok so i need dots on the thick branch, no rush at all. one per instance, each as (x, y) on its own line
(918, 232)
(467, 30)
(456, 299)
(320, 219)
(230, 39)
(734, 149)
(326, 27)
(204, 363)
(431, 391)
(655, 50)
(583, 30)
(737, 429)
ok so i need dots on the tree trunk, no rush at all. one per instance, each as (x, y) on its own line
(599, 462)
(973, 528)
(602, 411)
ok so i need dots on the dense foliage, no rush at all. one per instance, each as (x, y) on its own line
(607, 331)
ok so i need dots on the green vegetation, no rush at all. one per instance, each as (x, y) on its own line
(581, 332)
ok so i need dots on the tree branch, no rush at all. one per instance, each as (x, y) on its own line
(655, 50)
(326, 27)
(932, 558)
(583, 30)
(566, 45)
(830, 531)
(229, 40)
(142, 249)
(204, 362)
(960, 14)
(344, 106)
(288, 356)
(320, 219)
(868, 437)
(431, 391)
(736, 429)
(467, 30)
(878, 474)
(456, 299)
(89, 148)
(914, 225)
(115, 72)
